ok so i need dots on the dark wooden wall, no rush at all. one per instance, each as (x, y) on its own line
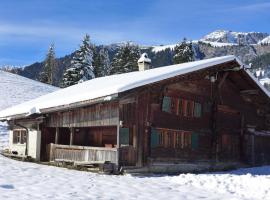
(232, 117)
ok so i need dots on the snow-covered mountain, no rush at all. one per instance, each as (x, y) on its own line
(15, 89)
(265, 41)
(243, 38)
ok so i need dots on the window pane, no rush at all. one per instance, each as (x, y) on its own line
(195, 140)
(190, 107)
(180, 107)
(207, 107)
(166, 104)
(15, 137)
(23, 136)
(197, 110)
(184, 107)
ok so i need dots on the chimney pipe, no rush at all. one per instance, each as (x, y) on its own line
(144, 63)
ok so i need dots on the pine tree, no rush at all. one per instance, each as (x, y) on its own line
(105, 62)
(183, 52)
(81, 65)
(48, 73)
(97, 63)
(125, 59)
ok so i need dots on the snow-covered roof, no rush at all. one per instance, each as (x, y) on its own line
(112, 85)
(144, 58)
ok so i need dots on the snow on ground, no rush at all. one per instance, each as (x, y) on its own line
(20, 180)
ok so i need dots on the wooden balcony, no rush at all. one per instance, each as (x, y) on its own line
(82, 154)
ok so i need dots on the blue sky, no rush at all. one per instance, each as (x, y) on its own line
(27, 27)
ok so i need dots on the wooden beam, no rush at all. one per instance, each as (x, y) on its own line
(71, 136)
(223, 80)
(56, 135)
(249, 92)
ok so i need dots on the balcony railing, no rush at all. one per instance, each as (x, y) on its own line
(82, 153)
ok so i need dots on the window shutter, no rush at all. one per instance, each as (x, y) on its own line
(198, 110)
(154, 138)
(194, 140)
(124, 136)
(23, 136)
(166, 104)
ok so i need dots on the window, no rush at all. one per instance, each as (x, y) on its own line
(19, 136)
(180, 107)
(171, 139)
(174, 105)
(166, 104)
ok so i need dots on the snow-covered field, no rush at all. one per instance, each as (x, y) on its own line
(19, 180)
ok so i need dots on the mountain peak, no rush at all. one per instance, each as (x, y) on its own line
(227, 36)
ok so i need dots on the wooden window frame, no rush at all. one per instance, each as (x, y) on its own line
(19, 136)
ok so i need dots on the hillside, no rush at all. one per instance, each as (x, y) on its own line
(16, 89)
(247, 46)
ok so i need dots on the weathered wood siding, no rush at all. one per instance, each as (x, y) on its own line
(97, 115)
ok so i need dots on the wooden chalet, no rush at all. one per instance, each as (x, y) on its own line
(208, 111)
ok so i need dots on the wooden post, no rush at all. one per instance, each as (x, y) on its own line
(71, 136)
(253, 149)
(56, 135)
(241, 138)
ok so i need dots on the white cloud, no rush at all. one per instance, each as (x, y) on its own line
(56, 32)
